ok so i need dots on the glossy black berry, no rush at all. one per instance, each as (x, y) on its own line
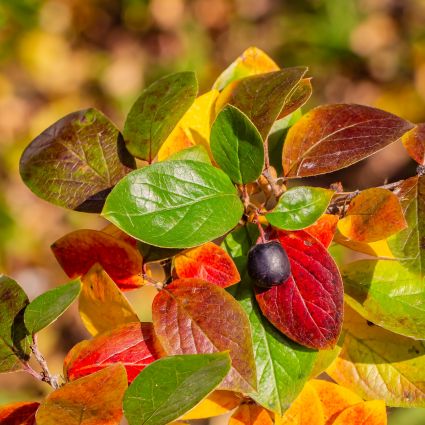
(268, 264)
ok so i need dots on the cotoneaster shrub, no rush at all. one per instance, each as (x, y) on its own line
(215, 175)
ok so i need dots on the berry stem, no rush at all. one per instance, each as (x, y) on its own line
(260, 228)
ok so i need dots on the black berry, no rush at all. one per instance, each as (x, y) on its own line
(268, 264)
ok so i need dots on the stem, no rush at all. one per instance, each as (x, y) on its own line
(245, 197)
(266, 154)
(260, 228)
(158, 285)
(45, 375)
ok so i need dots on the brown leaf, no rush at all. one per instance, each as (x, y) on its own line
(331, 137)
(191, 316)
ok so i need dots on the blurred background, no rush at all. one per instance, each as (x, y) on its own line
(57, 56)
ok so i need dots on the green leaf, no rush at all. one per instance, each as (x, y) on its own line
(388, 294)
(76, 161)
(378, 364)
(194, 153)
(300, 207)
(237, 145)
(157, 111)
(175, 204)
(171, 386)
(283, 366)
(14, 339)
(46, 308)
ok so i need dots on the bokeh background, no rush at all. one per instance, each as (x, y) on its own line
(57, 56)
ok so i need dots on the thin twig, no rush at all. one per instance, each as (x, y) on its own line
(52, 380)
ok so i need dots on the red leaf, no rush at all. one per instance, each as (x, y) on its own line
(132, 344)
(22, 413)
(308, 307)
(208, 262)
(78, 251)
(191, 316)
(324, 229)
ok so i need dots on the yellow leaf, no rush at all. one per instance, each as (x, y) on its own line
(102, 306)
(334, 398)
(305, 410)
(366, 413)
(193, 128)
(217, 403)
(252, 61)
(251, 414)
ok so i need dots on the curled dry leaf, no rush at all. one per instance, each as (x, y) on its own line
(372, 215)
(308, 307)
(191, 316)
(207, 262)
(132, 344)
(93, 400)
(21, 413)
(78, 251)
(102, 306)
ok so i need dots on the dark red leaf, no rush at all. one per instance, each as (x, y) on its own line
(308, 307)
(132, 344)
(78, 251)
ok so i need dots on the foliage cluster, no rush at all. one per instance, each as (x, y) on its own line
(191, 184)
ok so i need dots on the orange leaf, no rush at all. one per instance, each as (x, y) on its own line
(251, 414)
(76, 252)
(102, 306)
(324, 229)
(117, 233)
(366, 413)
(93, 400)
(208, 262)
(373, 215)
(334, 398)
(305, 410)
(22, 413)
(414, 142)
(217, 403)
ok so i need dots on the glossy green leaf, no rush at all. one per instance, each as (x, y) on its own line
(76, 161)
(157, 111)
(388, 294)
(171, 386)
(300, 207)
(14, 339)
(194, 153)
(175, 204)
(378, 364)
(46, 308)
(283, 366)
(237, 146)
(265, 97)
